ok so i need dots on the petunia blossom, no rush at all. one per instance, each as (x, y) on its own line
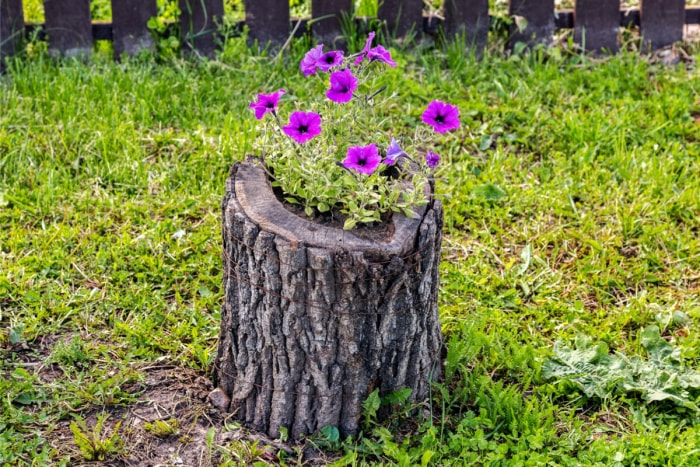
(364, 159)
(330, 60)
(363, 52)
(309, 64)
(380, 54)
(343, 83)
(303, 126)
(443, 117)
(432, 159)
(393, 153)
(266, 103)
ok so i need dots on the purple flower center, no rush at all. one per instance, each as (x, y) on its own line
(303, 129)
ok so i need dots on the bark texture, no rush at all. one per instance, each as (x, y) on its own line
(315, 318)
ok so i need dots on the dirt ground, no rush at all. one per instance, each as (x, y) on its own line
(202, 435)
(167, 393)
(193, 432)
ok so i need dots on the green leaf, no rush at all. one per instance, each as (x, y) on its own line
(25, 398)
(284, 434)
(81, 440)
(16, 334)
(330, 433)
(398, 396)
(371, 405)
(410, 213)
(349, 224)
(658, 349)
(525, 257)
(587, 366)
(486, 142)
(489, 192)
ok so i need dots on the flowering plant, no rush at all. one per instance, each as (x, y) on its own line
(336, 155)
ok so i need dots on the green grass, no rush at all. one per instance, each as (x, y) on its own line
(572, 196)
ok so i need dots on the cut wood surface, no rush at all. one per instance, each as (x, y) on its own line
(315, 318)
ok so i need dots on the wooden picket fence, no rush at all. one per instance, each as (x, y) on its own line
(70, 30)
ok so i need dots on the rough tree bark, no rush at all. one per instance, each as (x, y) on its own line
(315, 318)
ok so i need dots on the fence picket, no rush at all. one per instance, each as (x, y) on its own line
(469, 18)
(267, 20)
(596, 24)
(327, 30)
(662, 22)
(69, 27)
(130, 32)
(539, 17)
(11, 28)
(402, 16)
(199, 20)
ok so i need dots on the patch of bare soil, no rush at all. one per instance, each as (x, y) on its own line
(170, 393)
(198, 434)
(167, 393)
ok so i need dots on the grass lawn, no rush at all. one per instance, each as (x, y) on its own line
(570, 281)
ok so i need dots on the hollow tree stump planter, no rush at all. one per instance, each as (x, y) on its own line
(315, 318)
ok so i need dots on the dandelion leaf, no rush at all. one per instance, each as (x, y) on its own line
(660, 377)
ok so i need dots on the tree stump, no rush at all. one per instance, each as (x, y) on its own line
(315, 318)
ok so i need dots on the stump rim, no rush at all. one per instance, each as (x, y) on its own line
(253, 193)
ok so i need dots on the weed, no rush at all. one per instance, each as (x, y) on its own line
(241, 452)
(598, 374)
(162, 428)
(95, 445)
(73, 353)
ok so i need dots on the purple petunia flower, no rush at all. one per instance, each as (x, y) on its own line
(343, 83)
(309, 64)
(364, 159)
(432, 159)
(380, 54)
(266, 103)
(303, 126)
(443, 117)
(393, 153)
(330, 60)
(363, 52)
